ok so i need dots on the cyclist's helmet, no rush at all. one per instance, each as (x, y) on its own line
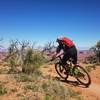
(59, 39)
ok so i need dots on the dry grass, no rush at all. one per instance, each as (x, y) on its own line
(3, 90)
(51, 89)
(89, 68)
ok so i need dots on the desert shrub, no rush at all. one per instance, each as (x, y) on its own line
(38, 59)
(52, 90)
(21, 53)
(3, 90)
(97, 64)
(12, 54)
(27, 66)
(56, 91)
(12, 64)
(22, 78)
(96, 50)
(14, 90)
(32, 61)
(91, 59)
(89, 68)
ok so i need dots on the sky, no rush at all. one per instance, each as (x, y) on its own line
(45, 20)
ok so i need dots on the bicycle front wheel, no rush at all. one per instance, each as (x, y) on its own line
(62, 72)
(82, 75)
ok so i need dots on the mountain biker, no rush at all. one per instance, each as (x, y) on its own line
(69, 50)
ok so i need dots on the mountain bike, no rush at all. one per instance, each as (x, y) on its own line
(76, 71)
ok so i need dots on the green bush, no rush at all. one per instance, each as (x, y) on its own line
(2, 90)
(38, 59)
(22, 54)
(28, 66)
(12, 64)
(32, 61)
(89, 68)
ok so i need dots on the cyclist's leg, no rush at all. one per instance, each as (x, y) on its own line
(65, 58)
(74, 55)
(74, 59)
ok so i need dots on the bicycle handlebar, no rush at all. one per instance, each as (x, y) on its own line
(59, 56)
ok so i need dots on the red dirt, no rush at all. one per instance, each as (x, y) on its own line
(90, 93)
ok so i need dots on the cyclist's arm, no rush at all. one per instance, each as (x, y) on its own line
(57, 51)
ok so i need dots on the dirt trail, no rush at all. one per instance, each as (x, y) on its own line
(95, 88)
(90, 93)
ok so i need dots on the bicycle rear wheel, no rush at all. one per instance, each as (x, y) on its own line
(62, 72)
(82, 75)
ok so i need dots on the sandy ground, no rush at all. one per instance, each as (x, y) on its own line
(90, 93)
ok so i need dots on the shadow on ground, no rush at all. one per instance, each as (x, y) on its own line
(71, 82)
